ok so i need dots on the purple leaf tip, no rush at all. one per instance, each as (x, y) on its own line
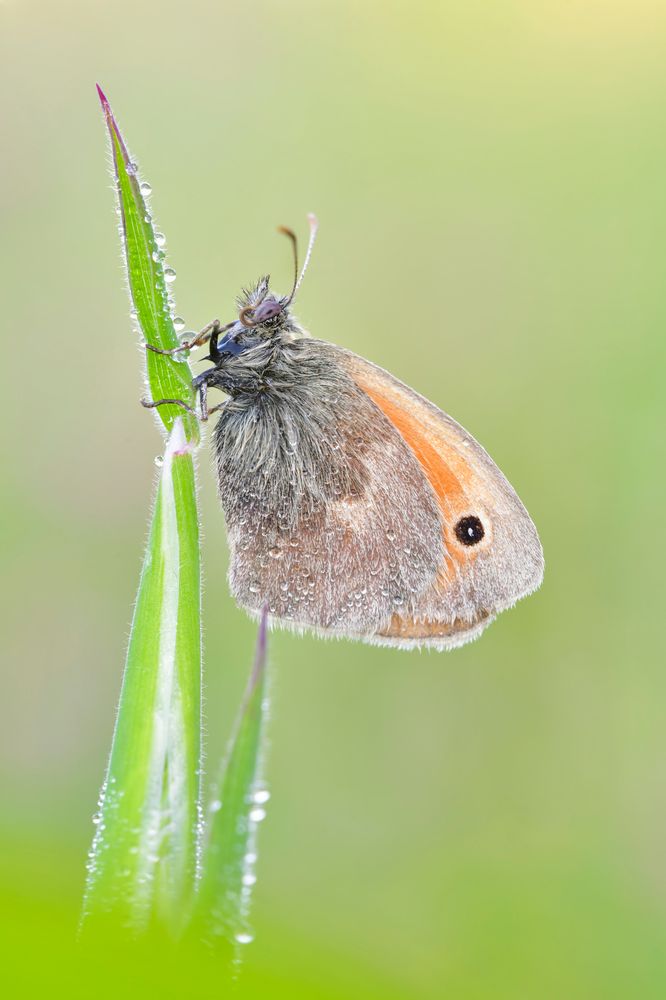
(112, 124)
(102, 99)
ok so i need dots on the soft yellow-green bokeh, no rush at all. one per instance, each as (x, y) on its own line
(490, 179)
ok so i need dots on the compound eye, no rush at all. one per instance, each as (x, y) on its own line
(469, 530)
(266, 311)
(232, 346)
(232, 342)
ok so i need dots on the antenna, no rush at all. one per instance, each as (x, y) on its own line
(298, 278)
(294, 246)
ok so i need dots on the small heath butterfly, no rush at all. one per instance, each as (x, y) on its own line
(354, 507)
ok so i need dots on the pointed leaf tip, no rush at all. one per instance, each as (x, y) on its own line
(112, 125)
(102, 98)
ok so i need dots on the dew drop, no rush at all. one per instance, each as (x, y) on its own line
(97, 819)
(159, 461)
(215, 805)
(145, 188)
(244, 938)
(256, 815)
(261, 795)
(178, 323)
(169, 274)
(160, 239)
(249, 878)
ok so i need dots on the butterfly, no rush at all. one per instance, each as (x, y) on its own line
(354, 506)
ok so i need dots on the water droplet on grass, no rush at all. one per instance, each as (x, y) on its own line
(169, 274)
(145, 188)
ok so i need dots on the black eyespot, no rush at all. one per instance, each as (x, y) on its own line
(469, 530)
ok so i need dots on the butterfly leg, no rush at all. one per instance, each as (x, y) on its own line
(200, 385)
(152, 403)
(211, 332)
(218, 406)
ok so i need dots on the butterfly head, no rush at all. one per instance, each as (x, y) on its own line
(262, 315)
(263, 312)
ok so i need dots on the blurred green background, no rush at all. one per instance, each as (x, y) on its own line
(489, 179)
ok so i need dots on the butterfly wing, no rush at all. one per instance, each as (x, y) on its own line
(477, 578)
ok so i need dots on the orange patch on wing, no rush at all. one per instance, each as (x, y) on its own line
(409, 628)
(444, 481)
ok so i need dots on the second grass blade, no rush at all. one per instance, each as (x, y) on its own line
(236, 809)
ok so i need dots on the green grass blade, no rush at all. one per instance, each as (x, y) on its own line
(168, 377)
(236, 809)
(144, 855)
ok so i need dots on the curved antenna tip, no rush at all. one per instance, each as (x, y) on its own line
(314, 226)
(286, 231)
